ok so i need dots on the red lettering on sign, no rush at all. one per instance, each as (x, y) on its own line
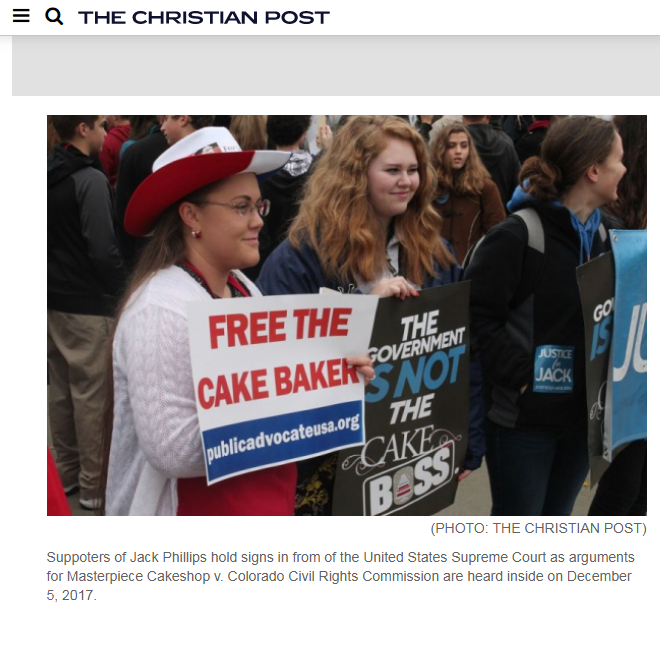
(301, 382)
(339, 322)
(300, 315)
(276, 322)
(321, 323)
(283, 383)
(215, 322)
(204, 401)
(235, 388)
(237, 324)
(334, 372)
(259, 390)
(239, 388)
(222, 392)
(317, 376)
(349, 374)
(256, 328)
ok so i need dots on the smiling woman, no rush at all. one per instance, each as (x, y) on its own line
(375, 183)
(225, 225)
(366, 225)
(393, 179)
(203, 211)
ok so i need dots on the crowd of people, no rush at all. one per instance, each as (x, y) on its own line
(148, 213)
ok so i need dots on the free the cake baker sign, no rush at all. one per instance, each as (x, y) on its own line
(271, 380)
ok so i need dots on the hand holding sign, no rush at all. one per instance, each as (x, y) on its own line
(394, 287)
(363, 365)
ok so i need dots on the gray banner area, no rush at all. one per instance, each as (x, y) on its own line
(334, 65)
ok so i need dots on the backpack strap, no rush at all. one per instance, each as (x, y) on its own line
(535, 233)
(470, 253)
(532, 264)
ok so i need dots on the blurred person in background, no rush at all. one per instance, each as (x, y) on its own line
(283, 188)
(84, 279)
(119, 130)
(497, 152)
(222, 120)
(628, 211)
(52, 137)
(440, 123)
(141, 127)
(468, 200)
(529, 144)
(249, 131)
(136, 159)
(176, 127)
(424, 125)
(515, 126)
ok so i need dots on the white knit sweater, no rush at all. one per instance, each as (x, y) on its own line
(156, 437)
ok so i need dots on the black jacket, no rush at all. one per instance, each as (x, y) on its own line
(135, 165)
(526, 309)
(530, 144)
(515, 126)
(499, 156)
(84, 265)
(284, 192)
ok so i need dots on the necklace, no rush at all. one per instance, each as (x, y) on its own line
(236, 287)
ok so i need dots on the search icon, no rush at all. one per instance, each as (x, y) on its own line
(58, 16)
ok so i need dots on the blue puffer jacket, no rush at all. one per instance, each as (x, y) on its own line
(291, 270)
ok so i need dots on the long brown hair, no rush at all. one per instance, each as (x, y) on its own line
(336, 217)
(468, 180)
(141, 125)
(52, 136)
(571, 146)
(249, 131)
(630, 206)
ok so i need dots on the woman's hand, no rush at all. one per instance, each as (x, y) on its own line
(394, 286)
(464, 474)
(363, 365)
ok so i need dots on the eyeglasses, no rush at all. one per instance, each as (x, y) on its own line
(261, 207)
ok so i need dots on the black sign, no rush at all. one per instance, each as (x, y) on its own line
(416, 409)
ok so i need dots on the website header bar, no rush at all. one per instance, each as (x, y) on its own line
(341, 17)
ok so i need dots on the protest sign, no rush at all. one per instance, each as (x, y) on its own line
(596, 282)
(416, 409)
(613, 293)
(626, 401)
(271, 381)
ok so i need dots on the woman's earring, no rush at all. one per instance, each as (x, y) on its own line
(196, 234)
